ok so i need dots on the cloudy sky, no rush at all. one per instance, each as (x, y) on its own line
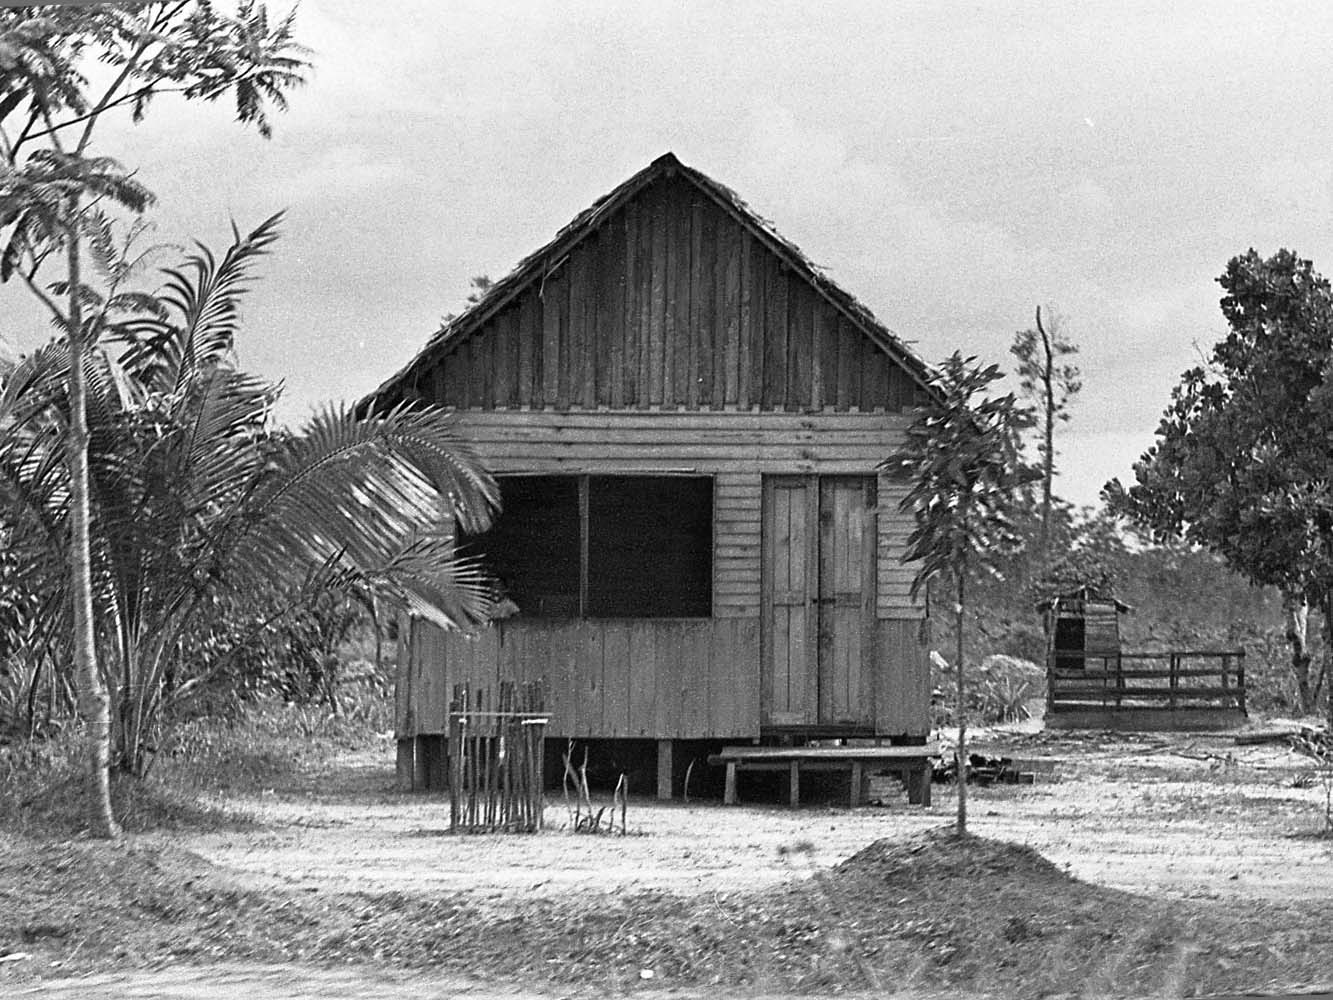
(951, 164)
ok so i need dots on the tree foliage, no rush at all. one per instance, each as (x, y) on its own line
(964, 464)
(62, 70)
(1242, 464)
(198, 499)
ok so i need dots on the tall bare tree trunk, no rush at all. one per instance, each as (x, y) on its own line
(1048, 455)
(94, 702)
(962, 705)
(1296, 611)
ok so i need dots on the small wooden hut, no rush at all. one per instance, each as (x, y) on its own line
(1082, 628)
(1091, 682)
(685, 417)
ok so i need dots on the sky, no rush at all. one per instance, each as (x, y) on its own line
(950, 164)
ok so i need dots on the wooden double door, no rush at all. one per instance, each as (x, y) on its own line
(818, 601)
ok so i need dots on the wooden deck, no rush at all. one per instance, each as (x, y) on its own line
(910, 763)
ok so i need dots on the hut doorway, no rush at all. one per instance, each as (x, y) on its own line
(818, 601)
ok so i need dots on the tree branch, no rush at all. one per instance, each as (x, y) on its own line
(45, 299)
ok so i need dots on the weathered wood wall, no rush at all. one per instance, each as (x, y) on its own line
(663, 679)
(671, 336)
(737, 449)
(669, 303)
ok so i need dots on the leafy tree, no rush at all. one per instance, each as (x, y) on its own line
(196, 499)
(56, 195)
(964, 461)
(1051, 382)
(1242, 465)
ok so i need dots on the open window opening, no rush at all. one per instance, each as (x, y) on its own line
(604, 546)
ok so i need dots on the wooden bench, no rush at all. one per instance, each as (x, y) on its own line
(911, 764)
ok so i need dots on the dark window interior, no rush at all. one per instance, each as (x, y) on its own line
(649, 550)
(533, 547)
(650, 547)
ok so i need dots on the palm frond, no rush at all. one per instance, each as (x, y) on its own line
(375, 489)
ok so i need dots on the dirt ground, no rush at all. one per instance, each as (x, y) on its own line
(1164, 816)
(1179, 814)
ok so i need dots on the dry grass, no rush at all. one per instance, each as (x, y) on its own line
(926, 913)
(933, 912)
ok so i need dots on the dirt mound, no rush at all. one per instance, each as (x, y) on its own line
(943, 854)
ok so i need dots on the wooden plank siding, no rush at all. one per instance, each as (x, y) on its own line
(670, 302)
(737, 449)
(658, 679)
(673, 332)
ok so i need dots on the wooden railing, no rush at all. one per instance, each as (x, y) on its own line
(1173, 680)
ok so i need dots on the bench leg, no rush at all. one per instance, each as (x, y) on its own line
(857, 778)
(794, 783)
(729, 793)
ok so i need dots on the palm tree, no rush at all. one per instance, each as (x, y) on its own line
(195, 495)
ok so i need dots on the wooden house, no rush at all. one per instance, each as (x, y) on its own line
(685, 417)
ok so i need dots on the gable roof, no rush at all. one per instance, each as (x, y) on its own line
(538, 264)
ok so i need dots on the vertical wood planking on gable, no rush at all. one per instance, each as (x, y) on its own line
(517, 390)
(745, 331)
(799, 355)
(643, 329)
(900, 392)
(760, 266)
(775, 335)
(685, 341)
(529, 350)
(588, 362)
(577, 328)
(557, 295)
(668, 303)
(549, 289)
(483, 368)
(657, 330)
(708, 266)
(610, 310)
(627, 380)
(675, 353)
(694, 366)
(729, 311)
(849, 356)
(816, 353)
(873, 384)
(466, 356)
